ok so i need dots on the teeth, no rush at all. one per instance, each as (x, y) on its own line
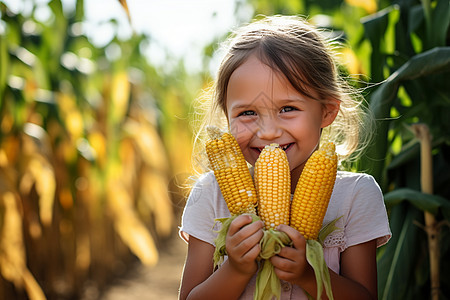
(284, 147)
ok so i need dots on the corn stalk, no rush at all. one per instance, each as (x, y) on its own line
(431, 225)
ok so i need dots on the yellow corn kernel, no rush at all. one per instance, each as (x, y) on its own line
(313, 191)
(231, 171)
(273, 183)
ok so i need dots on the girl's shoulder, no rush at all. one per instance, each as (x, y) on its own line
(353, 192)
(352, 181)
(206, 179)
(346, 175)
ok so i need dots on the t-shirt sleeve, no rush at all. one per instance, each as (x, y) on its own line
(367, 218)
(200, 212)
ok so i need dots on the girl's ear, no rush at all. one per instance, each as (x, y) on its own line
(330, 111)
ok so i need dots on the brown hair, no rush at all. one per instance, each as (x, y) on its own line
(295, 48)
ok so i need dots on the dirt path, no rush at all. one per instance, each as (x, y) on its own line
(158, 283)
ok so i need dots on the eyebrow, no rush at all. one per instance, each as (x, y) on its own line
(292, 100)
(282, 101)
(240, 106)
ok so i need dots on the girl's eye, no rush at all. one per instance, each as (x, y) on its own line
(247, 113)
(288, 109)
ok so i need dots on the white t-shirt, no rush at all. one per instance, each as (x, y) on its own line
(356, 197)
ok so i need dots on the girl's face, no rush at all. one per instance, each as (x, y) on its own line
(263, 108)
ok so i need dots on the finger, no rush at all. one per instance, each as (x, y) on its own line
(249, 240)
(242, 228)
(290, 253)
(253, 253)
(238, 223)
(283, 264)
(246, 238)
(298, 240)
(283, 275)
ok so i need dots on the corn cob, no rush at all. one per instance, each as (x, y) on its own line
(272, 180)
(313, 191)
(231, 171)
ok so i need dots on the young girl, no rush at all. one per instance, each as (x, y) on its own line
(278, 83)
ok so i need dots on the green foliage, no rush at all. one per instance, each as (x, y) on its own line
(413, 88)
(423, 76)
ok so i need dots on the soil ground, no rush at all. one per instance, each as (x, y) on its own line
(160, 282)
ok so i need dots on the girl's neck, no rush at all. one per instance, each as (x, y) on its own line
(295, 175)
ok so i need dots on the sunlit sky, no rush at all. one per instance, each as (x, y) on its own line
(183, 27)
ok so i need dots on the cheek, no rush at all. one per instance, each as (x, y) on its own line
(243, 135)
(240, 131)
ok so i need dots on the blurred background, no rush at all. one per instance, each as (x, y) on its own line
(96, 108)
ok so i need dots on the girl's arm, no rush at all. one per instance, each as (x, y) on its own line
(357, 278)
(229, 281)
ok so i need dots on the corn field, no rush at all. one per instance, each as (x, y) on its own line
(86, 181)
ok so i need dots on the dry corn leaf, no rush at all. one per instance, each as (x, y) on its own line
(180, 141)
(149, 143)
(3, 158)
(74, 124)
(33, 289)
(128, 226)
(12, 252)
(65, 198)
(125, 7)
(71, 115)
(38, 171)
(120, 95)
(11, 147)
(98, 142)
(83, 256)
(154, 192)
(130, 162)
(7, 122)
(12, 256)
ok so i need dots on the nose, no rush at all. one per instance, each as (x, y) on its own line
(268, 128)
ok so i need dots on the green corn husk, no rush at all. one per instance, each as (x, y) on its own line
(220, 251)
(314, 256)
(268, 285)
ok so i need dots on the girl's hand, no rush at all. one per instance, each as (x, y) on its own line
(291, 264)
(242, 244)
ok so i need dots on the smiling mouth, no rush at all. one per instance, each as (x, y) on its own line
(284, 147)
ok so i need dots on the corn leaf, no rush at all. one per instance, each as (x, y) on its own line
(424, 202)
(440, 20)
(268, 284)
(40, 172)
(149, 143)
(314, 256)
(128, 226)
(32, 287)
(4, 63)
(71, 115)
(405, 156)
(397, 262)
(375, 28)
(12, 250)
(155, 194)
(120, 96)
(125, 7)
(430, 62)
